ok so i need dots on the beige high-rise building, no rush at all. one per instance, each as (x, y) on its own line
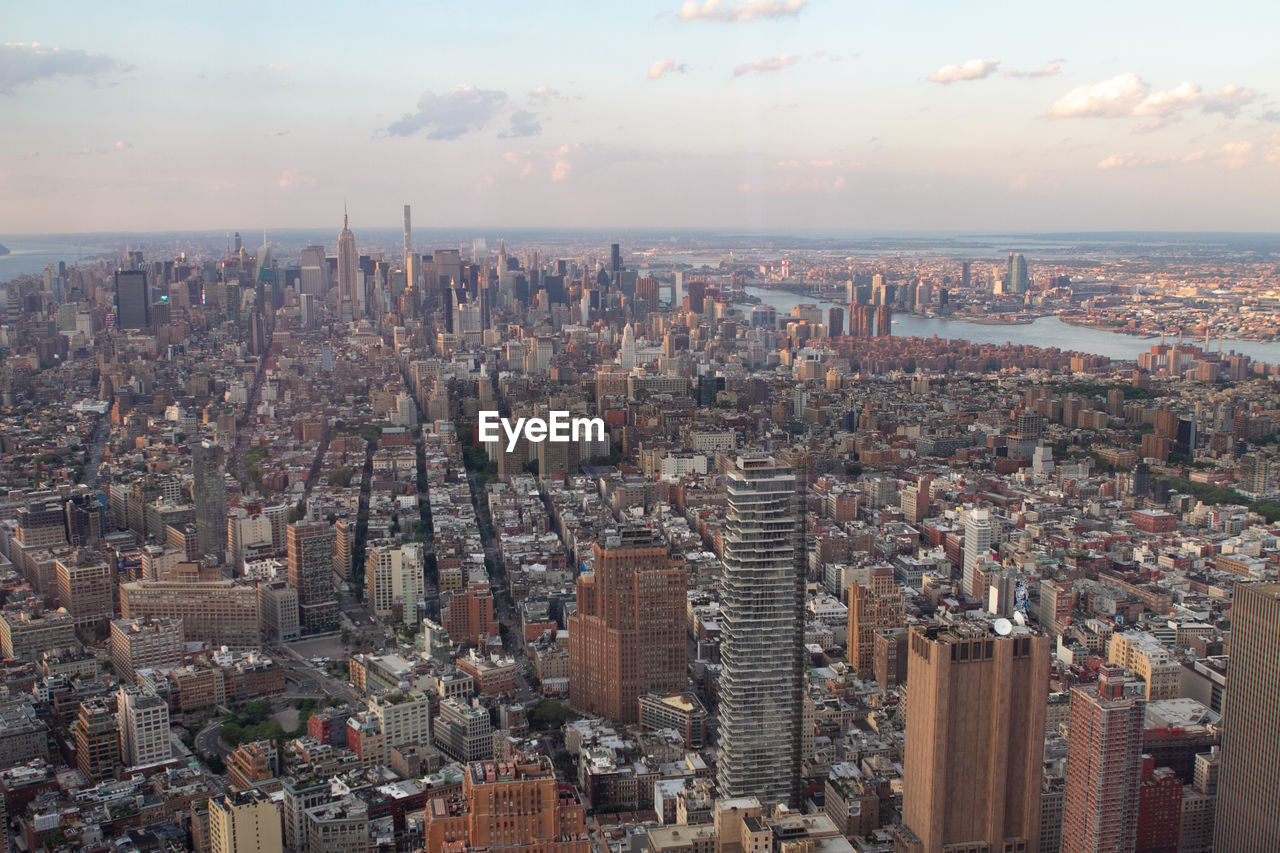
(145, 644)
(394, 580)
(974, 738)
(244, 822)
(86, 588)
(144, 727)
(1248, 785)
(24, 636)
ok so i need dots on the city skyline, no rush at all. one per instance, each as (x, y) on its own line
(756, 114)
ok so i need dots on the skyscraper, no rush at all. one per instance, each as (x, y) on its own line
(310, 550)
(627, 354)
(974, 738)
(133, 300)
(877, 604)
(1017, 274)
(977, 546)
(1248, 787)
(1104, 763)
(348, 269)
(763, 632)
(209, 489)
(627, 637)
(314, 273)
(144, 727)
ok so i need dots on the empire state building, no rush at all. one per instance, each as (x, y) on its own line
(347, 267)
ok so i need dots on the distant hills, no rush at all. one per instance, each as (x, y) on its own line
(4, 250)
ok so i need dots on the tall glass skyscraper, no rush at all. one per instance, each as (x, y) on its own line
(763, 633)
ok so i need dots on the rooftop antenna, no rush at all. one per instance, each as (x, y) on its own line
(1019, 618)
(1003, 627)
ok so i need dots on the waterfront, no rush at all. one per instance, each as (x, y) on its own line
(1043, 332)
(29, 256)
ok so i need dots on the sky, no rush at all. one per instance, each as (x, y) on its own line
(776, 115)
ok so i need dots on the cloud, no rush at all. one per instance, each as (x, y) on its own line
(294, 178)
(662, 67)
(523, 123)
(1271, 116)
(738, 12)
(1129, 96)
(1114, 98)
(452, 114)
(24, 63)
(1233, 155)
(545, 93)
(118, 145)
(272, 68)
(1051, 69)
(972, 69)
(1228, 100)
(768, 63)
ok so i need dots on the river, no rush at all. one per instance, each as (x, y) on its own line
(30, 255)
(1043, 332)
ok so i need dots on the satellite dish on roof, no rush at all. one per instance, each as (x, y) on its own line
(1003, 627)
(1019, 617)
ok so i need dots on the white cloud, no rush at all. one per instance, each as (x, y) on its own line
(294, 178)
(662, 67)
(118, 145)
(545, 93)
(452, 114)
(1051, 69)
(740, 11)
(1124, 161)
(1112, 98)
(1228, 100)
(972, 69)
(1129, 96)
(24, 63)
(768, 63)
(1233, 155)
(272, 68)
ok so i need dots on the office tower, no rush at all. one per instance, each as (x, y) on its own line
(210, 492)
(144, 727)
(972, 765)
(515, 805)
(348, 271)
(145, 644)
(408, 236)
(966, 274)
(627, 637)
(393, 577)
(1251, 472)
(977, 546)
(1248, 787)
(96, 739)
(876, 604)
(1029, 426)
(133, 300)
(884, 321)
(1017, 273)
(615, 258)
(314, 272)
(86, 588)
(1104, 761)
(763, 632)
(244, 822)
(310, 558)
(835, 322)
(627, 354)
(463, 731)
